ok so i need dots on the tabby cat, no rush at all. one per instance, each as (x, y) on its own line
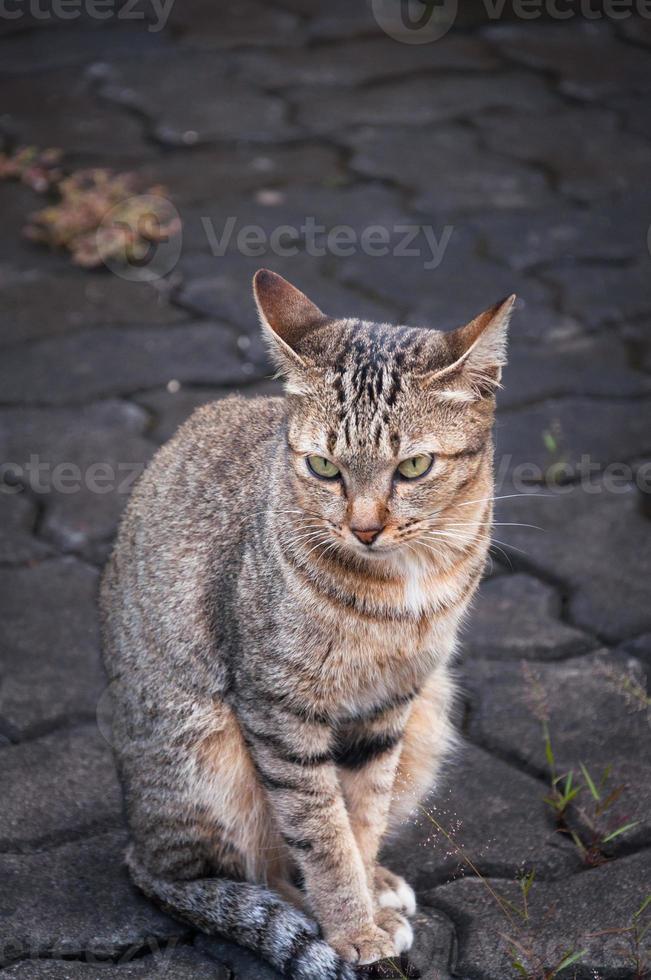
(279, 615)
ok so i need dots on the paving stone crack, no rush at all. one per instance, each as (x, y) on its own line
(52, 841)
(61, 723)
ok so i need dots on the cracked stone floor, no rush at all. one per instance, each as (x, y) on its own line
(531, 142)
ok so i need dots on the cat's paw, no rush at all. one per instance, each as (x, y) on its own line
(393, 892)
(398, 928)
(365, 947)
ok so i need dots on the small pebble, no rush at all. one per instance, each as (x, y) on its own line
(270, 198)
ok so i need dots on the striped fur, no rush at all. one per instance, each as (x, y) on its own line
(282, 692)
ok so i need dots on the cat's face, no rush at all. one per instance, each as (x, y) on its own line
(389, 427)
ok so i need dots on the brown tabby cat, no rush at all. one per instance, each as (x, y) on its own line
(279, 614)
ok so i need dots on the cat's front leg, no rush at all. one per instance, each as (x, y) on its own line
(301, 780)
(367, 757)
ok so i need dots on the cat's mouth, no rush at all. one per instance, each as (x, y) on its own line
(376, 548)
(324, 538)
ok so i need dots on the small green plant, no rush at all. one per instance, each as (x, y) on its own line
(549, 441)
(633, 935)
(628, 687)
(553, 441)
(527, 963)
(594, 829)
(524, 959)
(526, 881)
(582, 806)
(562, 793)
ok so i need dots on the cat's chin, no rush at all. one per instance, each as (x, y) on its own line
(376, 553)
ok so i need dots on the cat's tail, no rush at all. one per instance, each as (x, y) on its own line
(250, 915)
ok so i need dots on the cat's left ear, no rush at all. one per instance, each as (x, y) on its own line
(477, 351)
(286, 315)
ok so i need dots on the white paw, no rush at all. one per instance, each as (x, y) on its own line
(403, 937)
(401, 897)
(394, 922)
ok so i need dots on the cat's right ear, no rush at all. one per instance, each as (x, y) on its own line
(286, 315)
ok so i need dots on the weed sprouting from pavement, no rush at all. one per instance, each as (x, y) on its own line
(525, 960)
(507, 907)
(633, 934)
(631, 690)
(527, 963)
(583, 806)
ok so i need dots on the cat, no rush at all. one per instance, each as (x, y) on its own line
(279, 613)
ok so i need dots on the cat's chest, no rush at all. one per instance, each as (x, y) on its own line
(415, 593)
(353, 643)
(369, 662)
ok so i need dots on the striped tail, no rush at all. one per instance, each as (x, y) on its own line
(250, 915)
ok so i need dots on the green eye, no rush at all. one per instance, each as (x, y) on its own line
(322, 467)
(415, 466)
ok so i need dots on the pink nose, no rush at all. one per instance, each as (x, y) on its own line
(367, 535)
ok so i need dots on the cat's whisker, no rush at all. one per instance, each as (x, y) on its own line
(302, 522)
(313, 532)
(291, 519)
(282, 513)
(506, 544)
(298, 547)
(455, 536)
(432, 547)
(413, 550)
(306, 527)
(297, 528)
(307, 538)
(535, 527)
(299, 525)
(505, 496)
(332, 546)
(502, 552)
(436, 551)
(451, 539)
(309, 522)
(431, 535)
(303, 529)
(320, 544)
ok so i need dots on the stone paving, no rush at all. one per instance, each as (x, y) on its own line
(524, 147)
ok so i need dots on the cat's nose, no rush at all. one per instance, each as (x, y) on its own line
(367, 535)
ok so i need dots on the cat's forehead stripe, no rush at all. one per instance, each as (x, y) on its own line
(368, 366)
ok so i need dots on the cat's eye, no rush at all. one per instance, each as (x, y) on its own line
(322, 467)
(415, 466)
